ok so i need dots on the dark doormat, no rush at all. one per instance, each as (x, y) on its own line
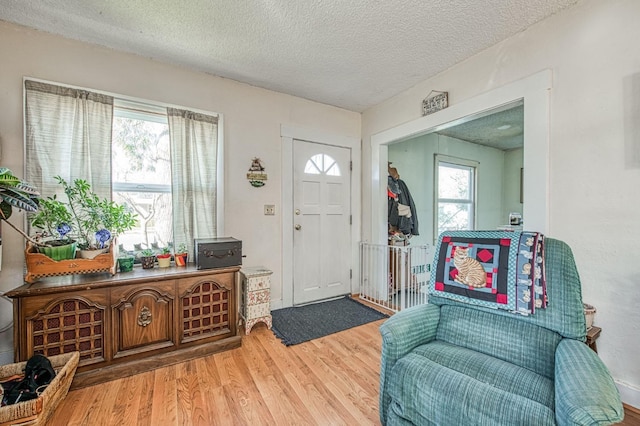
(303, 323)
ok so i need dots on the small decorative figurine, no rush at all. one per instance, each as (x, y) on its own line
(257, 176)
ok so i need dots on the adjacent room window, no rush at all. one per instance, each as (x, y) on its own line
(455, 194)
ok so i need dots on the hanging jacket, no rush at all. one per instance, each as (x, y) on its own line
(404, 197)
(408, 225)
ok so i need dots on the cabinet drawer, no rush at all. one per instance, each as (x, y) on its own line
(258, 283)
(258, 297)
(257, 311)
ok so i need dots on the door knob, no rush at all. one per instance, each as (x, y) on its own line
(298, 227)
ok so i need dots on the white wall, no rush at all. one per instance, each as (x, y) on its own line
(414, 160)
(252, 120)
(513, 163)
(592, 50)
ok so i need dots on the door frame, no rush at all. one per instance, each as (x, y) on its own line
(534, 91)
(288, 134)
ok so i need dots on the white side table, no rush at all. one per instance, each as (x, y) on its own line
(256, 296)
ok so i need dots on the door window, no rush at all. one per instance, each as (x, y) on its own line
(322, 164)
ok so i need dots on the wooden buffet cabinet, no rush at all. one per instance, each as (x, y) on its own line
(130, 322)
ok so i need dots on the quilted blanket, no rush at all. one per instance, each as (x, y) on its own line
(495, 269)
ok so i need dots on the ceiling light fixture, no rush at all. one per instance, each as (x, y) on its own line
(504, 127)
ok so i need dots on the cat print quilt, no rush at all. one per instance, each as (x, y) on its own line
(494, 269)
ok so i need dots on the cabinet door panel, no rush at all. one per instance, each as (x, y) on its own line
(59, 324)
(143, 319)
(207, 307)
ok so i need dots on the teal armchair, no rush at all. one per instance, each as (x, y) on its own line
(449, 363)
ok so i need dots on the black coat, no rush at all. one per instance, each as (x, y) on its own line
(406, 225)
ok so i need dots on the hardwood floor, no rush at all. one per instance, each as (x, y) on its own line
(631, 417)
(328, 381)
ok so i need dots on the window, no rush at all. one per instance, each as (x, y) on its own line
(455, 194)
(322, 163)
(141, 173)
(161, 161)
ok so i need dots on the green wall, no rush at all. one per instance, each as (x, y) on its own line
(498, 179)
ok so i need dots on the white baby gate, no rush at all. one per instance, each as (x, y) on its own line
(395, 277)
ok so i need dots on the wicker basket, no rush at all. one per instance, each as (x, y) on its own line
(38, 411)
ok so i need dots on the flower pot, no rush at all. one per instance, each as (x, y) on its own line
(90, 254)
(126, 263)
(181, 259)
(148, 262)
(164, 261)
(59, 250)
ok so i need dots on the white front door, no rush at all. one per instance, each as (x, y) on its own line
(321, 221)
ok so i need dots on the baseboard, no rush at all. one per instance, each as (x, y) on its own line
(630, 408)
(276, 304)
(629, 394)
(6, 357)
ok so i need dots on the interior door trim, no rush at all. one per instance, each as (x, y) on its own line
(534, 91)
(288, 135)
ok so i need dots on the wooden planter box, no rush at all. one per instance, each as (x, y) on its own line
(38, 411)
(39, 265)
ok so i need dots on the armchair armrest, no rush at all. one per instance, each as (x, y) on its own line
(402, 333)
(408, 329)
(585, 391)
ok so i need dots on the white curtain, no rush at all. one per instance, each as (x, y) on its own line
(194, 148)
(68, 134)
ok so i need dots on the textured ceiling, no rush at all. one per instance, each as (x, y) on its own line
(502, 129)
(349, 53)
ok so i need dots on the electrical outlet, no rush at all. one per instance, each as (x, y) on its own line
(269, 209)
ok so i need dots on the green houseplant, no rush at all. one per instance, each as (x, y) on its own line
(14, 192)
(125, 260)
(147, 258)
(54, 218)
(85, 217)
(181, 255)
(164, 258)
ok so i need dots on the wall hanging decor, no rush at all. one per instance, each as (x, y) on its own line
(257, 176)
(435, 101)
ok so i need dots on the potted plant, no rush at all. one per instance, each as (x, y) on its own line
(164, 258)
(125, 263)
(17, 193)
(54, 240)
(147, 259)
(93, 222)
(125, 260)
(181, 255)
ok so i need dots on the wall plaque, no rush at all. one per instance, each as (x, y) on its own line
(256, 176)
(433, 103)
